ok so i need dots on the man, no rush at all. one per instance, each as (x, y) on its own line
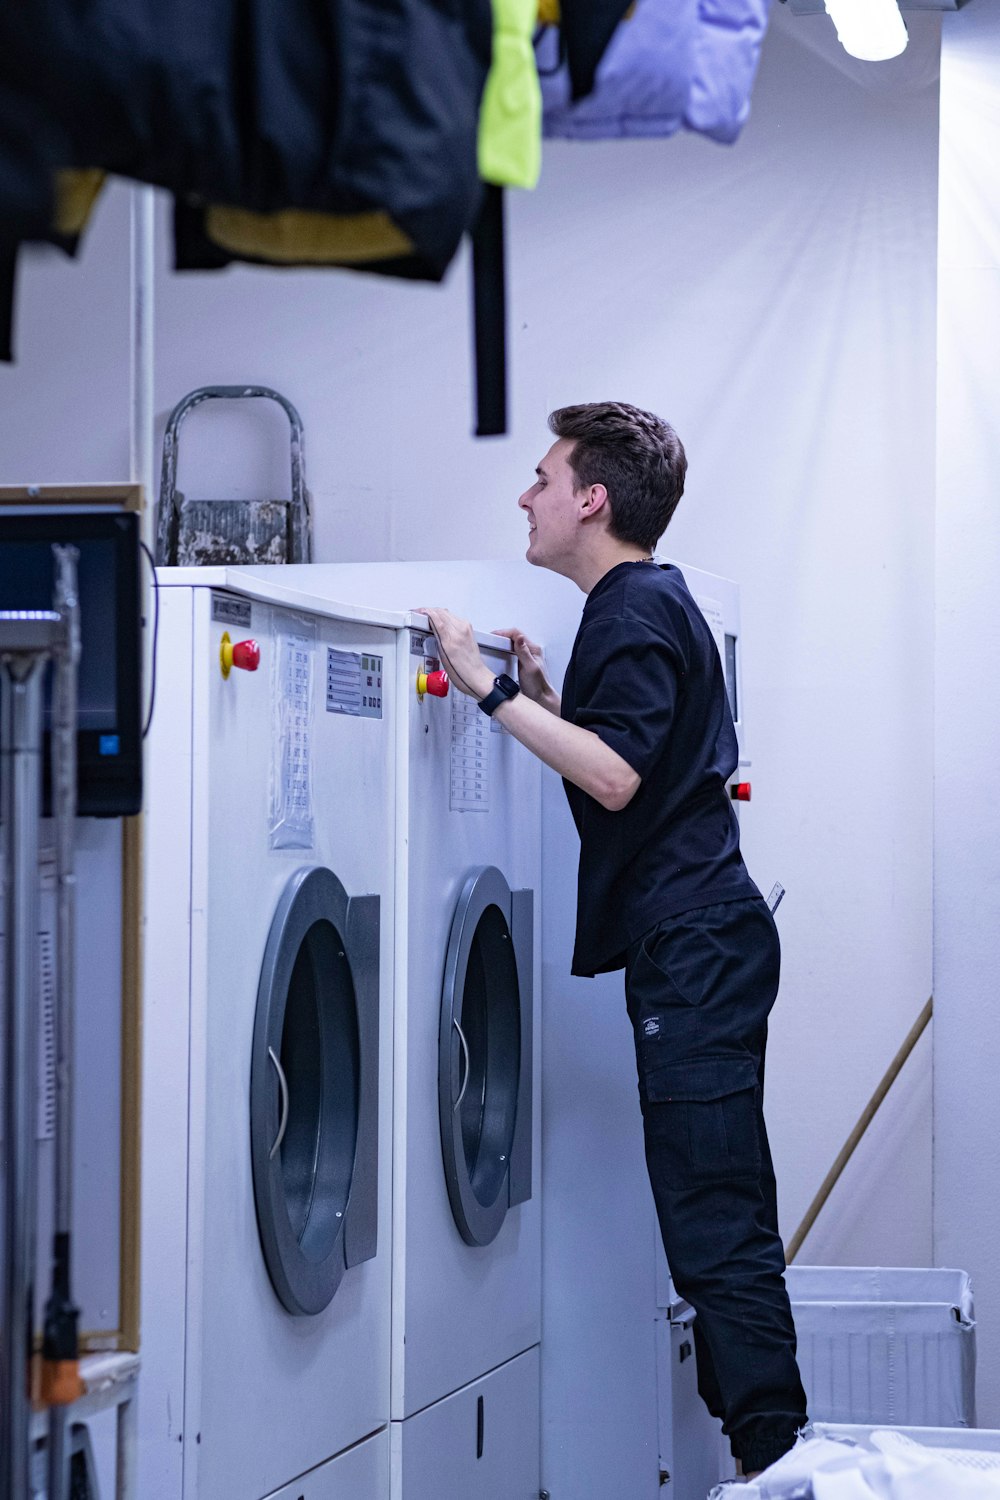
(644, 740)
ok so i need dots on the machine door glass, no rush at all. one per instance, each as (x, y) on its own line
(480, 1063)
(305, 1092)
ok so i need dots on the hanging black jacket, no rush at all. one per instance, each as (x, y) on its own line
(341, 106)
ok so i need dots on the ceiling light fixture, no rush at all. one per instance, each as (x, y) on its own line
(870, 29)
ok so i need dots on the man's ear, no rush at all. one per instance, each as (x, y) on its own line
(595, 500)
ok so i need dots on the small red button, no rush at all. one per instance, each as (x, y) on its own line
(740, 791)
(246, 655)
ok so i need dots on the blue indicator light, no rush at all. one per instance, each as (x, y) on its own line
(109, 744)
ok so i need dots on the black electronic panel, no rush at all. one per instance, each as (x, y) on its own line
(109, 710)
(734, 706)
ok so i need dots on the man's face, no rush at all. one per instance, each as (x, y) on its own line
(553, 509)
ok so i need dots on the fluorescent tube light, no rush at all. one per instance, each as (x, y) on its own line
(870, 29)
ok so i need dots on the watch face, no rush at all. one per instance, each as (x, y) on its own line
(508, 684)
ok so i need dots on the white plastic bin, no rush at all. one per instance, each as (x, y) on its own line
(959, 1439)
(890, 1346)
(851, 1462)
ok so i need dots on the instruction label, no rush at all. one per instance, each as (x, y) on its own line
(291, 747)
(353, 684)
(470, 755)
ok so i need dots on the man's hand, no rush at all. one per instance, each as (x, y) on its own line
(460, 656)
(531, 672)
(576, 753)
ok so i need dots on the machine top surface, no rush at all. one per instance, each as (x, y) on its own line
(265, 585)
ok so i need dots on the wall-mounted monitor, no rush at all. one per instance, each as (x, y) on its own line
(109, 729)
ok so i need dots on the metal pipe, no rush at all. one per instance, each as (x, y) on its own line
(64, 810)
(141, 413)
(20, 774)
(57, 1455)
(64, 716)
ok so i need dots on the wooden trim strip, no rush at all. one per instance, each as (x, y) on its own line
(868, 1114)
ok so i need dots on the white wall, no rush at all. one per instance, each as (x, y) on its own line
(967, 718)
(64, 404)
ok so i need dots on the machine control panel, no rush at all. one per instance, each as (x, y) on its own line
(353, 684)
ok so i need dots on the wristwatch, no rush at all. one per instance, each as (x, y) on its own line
(504, 688)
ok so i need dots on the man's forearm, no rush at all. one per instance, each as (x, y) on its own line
(578, 754)
(550, 701)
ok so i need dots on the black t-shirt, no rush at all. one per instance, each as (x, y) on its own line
(645, 675)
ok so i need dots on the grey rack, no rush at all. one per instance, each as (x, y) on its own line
(197, 533)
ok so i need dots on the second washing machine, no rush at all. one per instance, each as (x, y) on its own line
(467, 1219)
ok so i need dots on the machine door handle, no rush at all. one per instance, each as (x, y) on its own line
(283, 1088)
(468, 1068)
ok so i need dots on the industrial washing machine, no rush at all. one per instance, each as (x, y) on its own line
(466, 1243)
(267, 1046)
(466, 1283)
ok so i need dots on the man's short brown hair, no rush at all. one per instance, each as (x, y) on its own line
(638, 458)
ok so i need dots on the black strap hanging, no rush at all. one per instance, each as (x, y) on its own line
(588, 26)
(8, 276)
(490, 315)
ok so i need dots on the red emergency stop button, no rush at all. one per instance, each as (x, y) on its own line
(244, 655)
(740, 791)
(435, 683)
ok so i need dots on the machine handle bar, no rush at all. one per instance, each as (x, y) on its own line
(468, 1066)
(283, 1088)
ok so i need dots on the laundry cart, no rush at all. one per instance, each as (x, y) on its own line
(890, 1344)
(268, 1046)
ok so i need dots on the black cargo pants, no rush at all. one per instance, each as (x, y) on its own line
(699, 989)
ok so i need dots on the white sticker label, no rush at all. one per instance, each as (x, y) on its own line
(470, 755)
(291, 749)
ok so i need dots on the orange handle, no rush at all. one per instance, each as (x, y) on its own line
(61, 1384)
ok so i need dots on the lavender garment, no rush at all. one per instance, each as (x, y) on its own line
(675, 64)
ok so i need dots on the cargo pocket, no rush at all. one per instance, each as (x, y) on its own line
(701, 1120)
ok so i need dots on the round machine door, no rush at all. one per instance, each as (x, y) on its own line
(484, 1072)
(310, 1102)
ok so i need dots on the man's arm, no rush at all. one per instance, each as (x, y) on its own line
(578, 754)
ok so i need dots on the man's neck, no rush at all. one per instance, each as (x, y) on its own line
(588, 571)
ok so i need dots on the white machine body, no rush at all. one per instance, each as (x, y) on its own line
(251, 1376)
(468, 800)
